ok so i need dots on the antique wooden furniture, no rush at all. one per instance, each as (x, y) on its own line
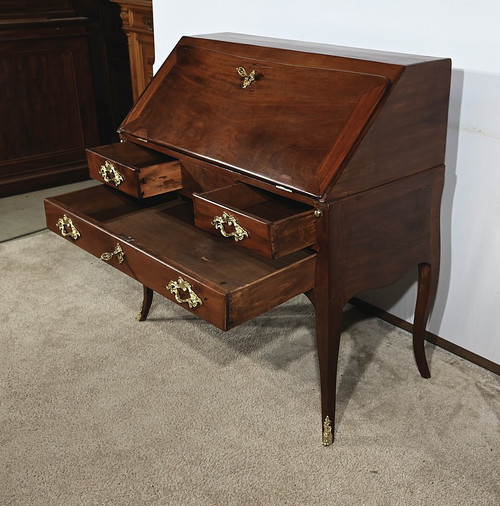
(110, 66)
(137, 18)
(47, 103)
(253, 170)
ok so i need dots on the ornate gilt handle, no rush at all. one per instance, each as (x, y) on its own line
(239, 232)
(248, 79)
(110, 174)
(118, 252)
(181, 284)
(67, 228)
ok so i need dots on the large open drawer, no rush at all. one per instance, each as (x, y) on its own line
(155, 242)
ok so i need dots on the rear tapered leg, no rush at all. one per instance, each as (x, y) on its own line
(427, 288)
(146, 304)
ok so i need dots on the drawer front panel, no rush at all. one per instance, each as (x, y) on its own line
(238, 228)
(198, 298)
(270, 292)
(135, 170)
(112, 173)
(281, 227)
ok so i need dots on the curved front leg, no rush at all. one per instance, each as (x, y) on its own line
(427, 287)
(146, 304)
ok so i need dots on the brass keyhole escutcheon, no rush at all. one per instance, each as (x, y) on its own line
(248, 79)
(118, 252)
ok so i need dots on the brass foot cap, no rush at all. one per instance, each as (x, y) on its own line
(327, 432)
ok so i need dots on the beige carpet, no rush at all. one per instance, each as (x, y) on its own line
(98, 409)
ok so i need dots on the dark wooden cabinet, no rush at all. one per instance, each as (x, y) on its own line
(65, 85)
(47, 102)
(36, 9)
(109, 62)
(253, 170)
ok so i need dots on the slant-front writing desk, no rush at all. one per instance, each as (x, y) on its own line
(253, 170)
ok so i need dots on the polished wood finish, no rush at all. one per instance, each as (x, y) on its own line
(413, 121)
(145, 172)
(47, 107)
(370, 240)
(331, 159)
(284, 103)
(147, 300)
(160, 244)
(137, 18)
(275, 226)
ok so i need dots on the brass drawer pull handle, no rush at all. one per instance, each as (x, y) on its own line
(66, 228)
(248, 78)
(239, 232)
(110, 174)
(181, 284)
(118, 252)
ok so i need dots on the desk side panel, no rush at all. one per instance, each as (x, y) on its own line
(407, 136)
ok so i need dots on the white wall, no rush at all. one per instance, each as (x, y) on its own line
(468, 299)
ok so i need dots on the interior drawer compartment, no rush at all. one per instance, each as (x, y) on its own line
(155, 242)
(133, 169)
(255, 219)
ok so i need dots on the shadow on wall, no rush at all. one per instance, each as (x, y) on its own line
(399, 298)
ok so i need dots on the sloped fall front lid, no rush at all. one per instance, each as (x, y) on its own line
(287, 124)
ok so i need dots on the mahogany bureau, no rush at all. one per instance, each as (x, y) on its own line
(252, 170)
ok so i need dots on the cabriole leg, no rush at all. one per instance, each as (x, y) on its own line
(427, 287)
(146, 304)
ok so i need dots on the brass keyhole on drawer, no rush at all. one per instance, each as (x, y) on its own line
(118, 252)
(181, 284)
(66, 227)
(248, 79)
(239, 233)
(110, 174)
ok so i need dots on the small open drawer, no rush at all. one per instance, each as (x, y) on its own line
(255, 219)
(135, 170)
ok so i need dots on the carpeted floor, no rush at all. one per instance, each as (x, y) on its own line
(98, 409)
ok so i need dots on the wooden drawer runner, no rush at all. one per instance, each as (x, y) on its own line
(255, 219)
(133, 169)
(158, 244)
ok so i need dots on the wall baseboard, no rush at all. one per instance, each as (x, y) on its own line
(430, 337)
